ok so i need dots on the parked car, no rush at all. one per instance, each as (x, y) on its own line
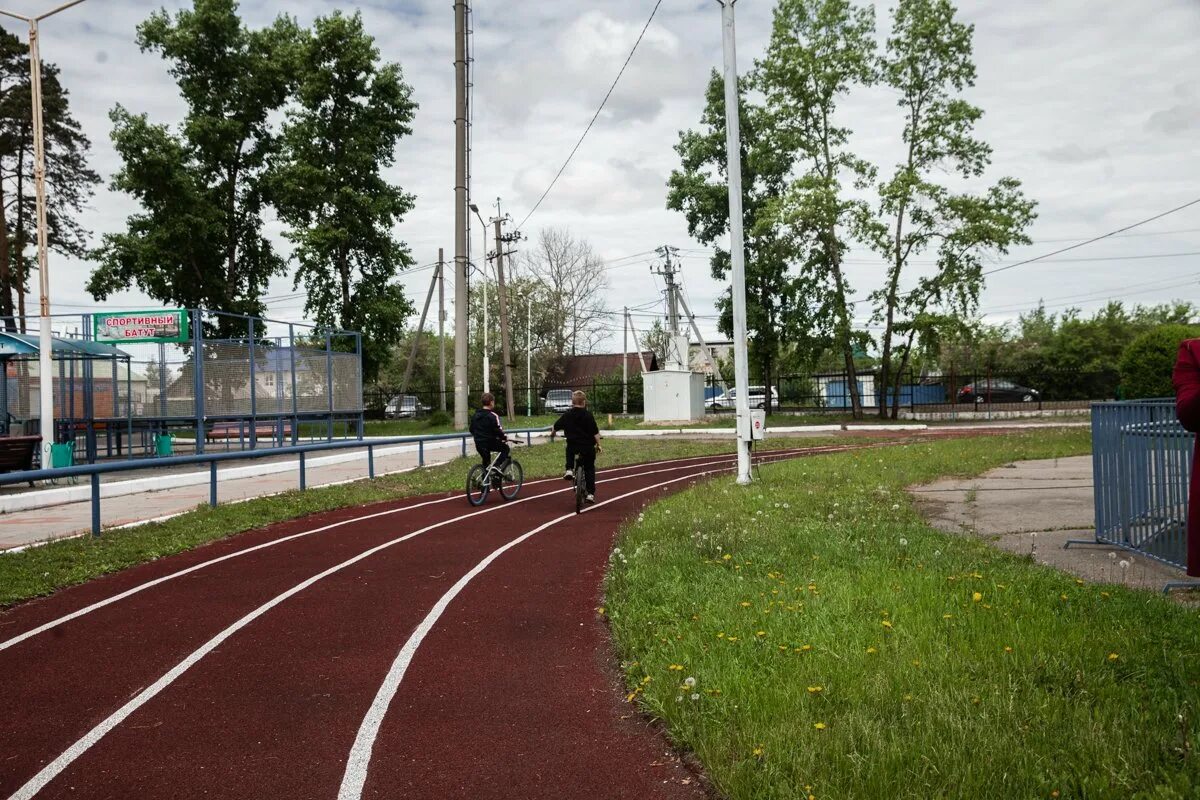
(558, 400)
(757, 396)
(997, 391)
(405, 407)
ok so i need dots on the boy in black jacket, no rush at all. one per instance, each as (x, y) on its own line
(489, 433)
(583, 440)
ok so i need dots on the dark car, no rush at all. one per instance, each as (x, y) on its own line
(997, 391)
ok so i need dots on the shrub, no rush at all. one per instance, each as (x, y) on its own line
(1147, 362)
(440, 419)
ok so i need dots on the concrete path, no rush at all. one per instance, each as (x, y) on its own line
(1034, 508)
(128, 502)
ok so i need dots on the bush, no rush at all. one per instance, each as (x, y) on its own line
(1147, 362)
(440, 419)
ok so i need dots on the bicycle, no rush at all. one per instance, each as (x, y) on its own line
(508, 480)
(579, 477)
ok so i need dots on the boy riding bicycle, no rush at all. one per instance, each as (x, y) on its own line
(583, 441)
(489, 433)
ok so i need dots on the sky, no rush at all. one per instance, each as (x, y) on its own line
(1095, 107)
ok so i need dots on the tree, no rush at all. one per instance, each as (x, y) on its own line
(775, 310)
(327, 185)
(658, 341)
(1148, 361)
(573, 281)
(69, 181)
(819, 51)
(199, 240)
(928, 62)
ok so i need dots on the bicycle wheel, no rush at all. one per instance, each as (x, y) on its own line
(514, 476)
(580, 490)
(477, 487)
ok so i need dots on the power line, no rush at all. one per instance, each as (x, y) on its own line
(1095, 239)
(1094, 298)
(594, 116)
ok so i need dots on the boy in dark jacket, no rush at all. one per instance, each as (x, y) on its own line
(1187, 407)
(583, 440)
(489, 433)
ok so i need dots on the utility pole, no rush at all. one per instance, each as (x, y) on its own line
(529, 357)
(625, 364)
(412, 354)
(677, 352)
(636, 342)
(441, 271)
(733, 153)
(460, 214)
(504, 349)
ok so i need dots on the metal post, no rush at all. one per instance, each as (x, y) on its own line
(303, 478)
(487, 364)
(421, 453)
(460, 215)
(329, 382)
(505, 352)
(370, 462)
(358, 354)
(45, 337)
(212, 484)
(253, 389)
(736, 240)
(95, 505)
(295, 397)
(412, 353)
(441, 270)
(198, 377)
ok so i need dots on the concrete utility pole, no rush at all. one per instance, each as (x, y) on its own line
(504, 349)
(625, 364)
(733, 152)
(45, 334)
(460, 214)
(636, 342)
(441, 271)
(677, 350)
(529, 357)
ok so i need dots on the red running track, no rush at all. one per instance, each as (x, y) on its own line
(269, 665)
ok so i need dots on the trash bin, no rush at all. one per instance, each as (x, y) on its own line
(62, 455)
(164, 445)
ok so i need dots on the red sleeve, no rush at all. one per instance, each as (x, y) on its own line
(1187, 384)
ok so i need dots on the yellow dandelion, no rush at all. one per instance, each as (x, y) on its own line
(745, 604)
(907, 697)
(819, 726)
(977, 596)
(600, 610)
(1113, 657)
(726, 557)
(783, 648)
(629, 698)
(1008, 649)
(1105, 595)
(975, 700)
(947, 616)
(806, 647)
(731, 638)
(676, 667)
(646, 680)
(721, 635)
(887, 624)
(757, 751)
(760, 633)
(816, 689)
(1062, 597)
(916, 663)
(871, 650)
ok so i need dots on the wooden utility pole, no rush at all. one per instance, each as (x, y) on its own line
(504, 345)
(412, 354)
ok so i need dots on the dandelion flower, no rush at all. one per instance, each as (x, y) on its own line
(976, 597)
(904, 542)
(887, 623)
(1123, 564)
(947, 616)
(726, 557)
(745, 604)
(816, 689)
(819, 726)
(1008, 649)
(872, 650)
(760, 633)
(806, 647)
(1113, 657)
(757, 751)
(676, 667)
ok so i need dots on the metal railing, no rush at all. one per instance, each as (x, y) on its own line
(94, 471)
(1142, 461)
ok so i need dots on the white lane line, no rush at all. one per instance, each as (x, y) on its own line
(355, 777)
(51, 770)
(237, 554)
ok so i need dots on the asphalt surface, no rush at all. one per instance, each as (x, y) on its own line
(419, 649)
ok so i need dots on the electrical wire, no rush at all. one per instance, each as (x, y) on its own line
(594, 116)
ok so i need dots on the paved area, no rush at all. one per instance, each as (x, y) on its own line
(1033, 508)
(420, 649)
(235, 482)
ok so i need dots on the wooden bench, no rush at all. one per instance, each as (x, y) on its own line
(236, 430)
(16, 453)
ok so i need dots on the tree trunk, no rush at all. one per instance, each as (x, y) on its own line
(845, 328)
(904, 361)
(6, 282)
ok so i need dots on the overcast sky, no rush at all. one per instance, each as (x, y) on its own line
(1095, 106)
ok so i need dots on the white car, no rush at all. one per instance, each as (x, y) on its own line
(558, 400)
(404, 407)
(757, 397)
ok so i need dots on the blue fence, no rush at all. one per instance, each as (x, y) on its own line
(94, 471)
(1142, 460)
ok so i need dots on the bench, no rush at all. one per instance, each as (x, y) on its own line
(16, 453)
(240, 430)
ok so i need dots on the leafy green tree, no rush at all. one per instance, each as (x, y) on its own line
(1148, 361)
(928, 62)
(199, 240)
(656, 340)
(775, 308)
(819, 51)
(328, 186)
(69, 181)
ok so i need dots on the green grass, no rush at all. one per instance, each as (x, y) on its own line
(42, 570)
(838, 642)
(414, 427)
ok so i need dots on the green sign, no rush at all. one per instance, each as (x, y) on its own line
(142, 326)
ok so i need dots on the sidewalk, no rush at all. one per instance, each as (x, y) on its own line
(1033, 508)
(129, 502)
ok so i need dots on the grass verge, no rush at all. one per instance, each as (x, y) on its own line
(42, 570)
(841, 647)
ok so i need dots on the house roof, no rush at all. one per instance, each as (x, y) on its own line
(581, 371)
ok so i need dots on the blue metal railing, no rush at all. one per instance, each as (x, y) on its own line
(1141, 462)
(94, 471)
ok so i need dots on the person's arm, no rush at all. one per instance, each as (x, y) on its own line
(1186, 378)
(595, 429)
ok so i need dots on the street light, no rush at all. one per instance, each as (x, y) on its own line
(487, 367)
(736, 242)
(45, 340)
